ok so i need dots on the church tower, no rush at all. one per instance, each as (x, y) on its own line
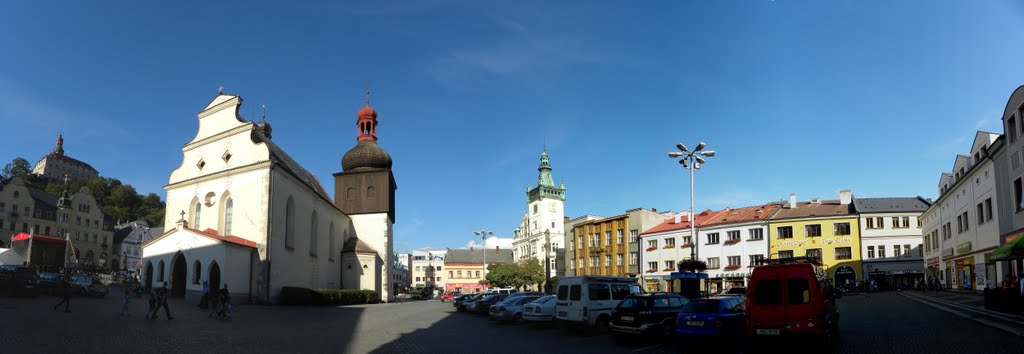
(365, 191)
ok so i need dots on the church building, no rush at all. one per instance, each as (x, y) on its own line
(241, 212)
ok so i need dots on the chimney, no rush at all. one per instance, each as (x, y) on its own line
(792, 200)
(496, 249)
(845, 197)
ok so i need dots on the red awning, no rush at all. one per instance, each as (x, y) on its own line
(24, 237)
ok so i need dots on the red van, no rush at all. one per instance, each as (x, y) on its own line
(792, 297)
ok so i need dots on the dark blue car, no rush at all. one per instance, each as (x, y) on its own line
(711, 318)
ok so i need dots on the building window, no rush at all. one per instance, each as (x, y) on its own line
(229, 211)
(713, 263)
(593, 261)
(478, 274)
(1011, 128)
(981, 213)
(16, 194)
(450, 274)
(535, 208)
(669, 266)
(1017, 194)
(905, 222)
(670, 242)
(869, 223)
(843, 253)
(197, 271)
(881, 251)
(608, 238)
(633, 258)
(906, 250)
(785, 231)
(652, 267)
(313, 241)
(608, 261)
(633, 235)
(417, 278)
(618, 259)
(813, 252)
(572, 266)
(733, 235)
(756, 234)
(895, 222)
(966, 222)
(713, 238)
(371, 192)
(289, 224)
(871, 252)
(812, 230)
(620, 236)
(841, 228)
(195, 221)
(734, 261)
(785, 254)
(78, 219)
(652, 244)
(988, 209)
(756, 259)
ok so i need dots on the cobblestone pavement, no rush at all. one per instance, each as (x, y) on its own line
(883, 322)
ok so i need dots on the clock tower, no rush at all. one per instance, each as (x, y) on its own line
(543, 223)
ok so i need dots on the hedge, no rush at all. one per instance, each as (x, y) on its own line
(326, 297)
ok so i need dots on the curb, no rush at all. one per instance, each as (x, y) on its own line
(976, 318)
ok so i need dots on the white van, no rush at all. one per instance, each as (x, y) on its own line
(589, 300)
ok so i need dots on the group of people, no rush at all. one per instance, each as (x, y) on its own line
(221, 301)
(157, 299)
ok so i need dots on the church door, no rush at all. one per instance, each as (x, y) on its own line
(178, 275)
(214, 278)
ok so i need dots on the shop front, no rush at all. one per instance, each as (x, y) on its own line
(964, 268)
(845, 275)
(655, 283)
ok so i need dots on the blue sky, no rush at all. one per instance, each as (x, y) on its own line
(802, 97)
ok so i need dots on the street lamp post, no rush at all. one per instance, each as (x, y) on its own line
(692, 160)
(483, 237)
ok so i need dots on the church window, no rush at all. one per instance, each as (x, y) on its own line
(201, 164)
(289, 224)
(350, 193)
(330, 240)
(371, 192)
(16, 194)
(535, 208)
(195, 216)
(197, 271)
(226, 157)
(312, 235)
(160, 273)
(229, 210)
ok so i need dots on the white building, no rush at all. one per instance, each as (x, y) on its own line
(961, 224)
(1007, 153)
(541, 231)
(663, 246)
(891, 240)
(427, 267)
(55, 165)
(732, 242)
(128, 240)
(241, 212)
(401, 272)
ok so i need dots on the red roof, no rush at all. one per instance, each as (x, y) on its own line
(24, 237)
(671, 224)
(745, 214)
(211, 233)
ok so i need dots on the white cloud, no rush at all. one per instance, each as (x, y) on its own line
(503, 243)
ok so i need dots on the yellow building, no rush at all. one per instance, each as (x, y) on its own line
(827, 229)
(601, 246)
(465, 268)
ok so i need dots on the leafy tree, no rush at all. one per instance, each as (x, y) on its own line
(503, 275)
(119, 200)
(18, 167)
(531, 271)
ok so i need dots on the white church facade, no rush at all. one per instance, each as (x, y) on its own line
(241, 212)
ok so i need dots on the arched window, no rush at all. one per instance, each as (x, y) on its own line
(229, 206)
(312, 235)
(349, 194)
(330, 243)
(160, 269)
(289, 224)
(371, 192)
(195, 215)
(197, 271)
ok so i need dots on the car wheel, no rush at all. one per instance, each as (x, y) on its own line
(517, 318)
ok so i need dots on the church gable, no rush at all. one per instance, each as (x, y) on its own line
(220, 116)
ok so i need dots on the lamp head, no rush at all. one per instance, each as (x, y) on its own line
(700, 146)
(674, 154)
(681, 147)
(699, 159)
(708, 153)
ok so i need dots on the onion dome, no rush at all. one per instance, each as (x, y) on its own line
(365, 155)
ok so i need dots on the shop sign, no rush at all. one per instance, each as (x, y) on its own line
(1010, 238)
(837, 241)
(933, 262)
(947, 252)
(792, 243)
(844, 271)
(963, 247)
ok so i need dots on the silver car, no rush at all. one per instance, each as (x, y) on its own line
(541, 310)
(511, 310)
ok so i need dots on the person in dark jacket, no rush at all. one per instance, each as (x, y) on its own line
(161, 295)
(65, 293)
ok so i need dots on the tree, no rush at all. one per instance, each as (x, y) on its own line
(530, 271)
(18, 167)
(119, 200)
(503, 275)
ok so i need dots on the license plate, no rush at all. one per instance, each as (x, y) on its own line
(563, 314)
(627, 318)
(695, 323)
(768, 332)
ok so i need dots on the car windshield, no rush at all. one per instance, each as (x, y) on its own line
(701, 306)
(634, 303)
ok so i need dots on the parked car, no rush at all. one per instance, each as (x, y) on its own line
(719, 317)
(651, 314)
(49, 283)
(469, 303)
(735, 291)
(792, 297)
(448, 296)
(456, 300)
(512, 296)
(87, 286)
(483, 306)
(589, 300)
(511, 310)
(541, 310)
(19, 280)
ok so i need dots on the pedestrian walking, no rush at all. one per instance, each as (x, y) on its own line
(161, 299)
(225, 302)
(152, 306)
(204, 301)
(65, 293)
(124, 303)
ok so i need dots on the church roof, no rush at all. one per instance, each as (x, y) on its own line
(293, 167)
(356, 245)
(210, 233)
(364, 156)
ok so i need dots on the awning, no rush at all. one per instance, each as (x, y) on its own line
(688, 275)
(24, 237)
(1012, 250)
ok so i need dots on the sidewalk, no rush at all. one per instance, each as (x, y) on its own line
(970, 306)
